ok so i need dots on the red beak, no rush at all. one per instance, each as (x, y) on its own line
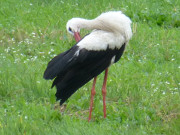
(77, 36)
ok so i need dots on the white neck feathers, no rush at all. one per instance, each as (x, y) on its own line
(114, 21)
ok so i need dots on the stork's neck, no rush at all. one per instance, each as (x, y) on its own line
(88, 24)
(95, 24)
(116, 27)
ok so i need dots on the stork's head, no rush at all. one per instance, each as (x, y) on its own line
(73, 27)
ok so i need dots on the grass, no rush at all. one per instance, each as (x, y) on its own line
(143, 87)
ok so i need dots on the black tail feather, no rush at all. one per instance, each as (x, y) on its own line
(73, 71)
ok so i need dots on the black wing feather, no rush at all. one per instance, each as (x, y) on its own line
(58, 63)
(73, 71)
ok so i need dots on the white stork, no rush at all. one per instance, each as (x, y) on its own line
(93, 54)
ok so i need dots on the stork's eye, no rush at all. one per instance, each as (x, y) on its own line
(70, 29)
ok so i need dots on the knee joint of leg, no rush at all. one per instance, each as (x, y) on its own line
(104, 91)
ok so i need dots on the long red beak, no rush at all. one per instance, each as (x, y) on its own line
(77, 36)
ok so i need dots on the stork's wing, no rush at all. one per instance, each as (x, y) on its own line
(75, 67)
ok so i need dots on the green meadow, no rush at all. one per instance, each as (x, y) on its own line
(143, 88)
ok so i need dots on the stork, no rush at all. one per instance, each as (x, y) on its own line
(91, 55)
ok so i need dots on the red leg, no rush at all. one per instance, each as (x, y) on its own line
(93, 92)
(104, 92)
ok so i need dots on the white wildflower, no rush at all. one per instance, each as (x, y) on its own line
(26, 117)
(167, 82)
(172, 59)
(52, 50)
(52, 43)
(156, 89)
